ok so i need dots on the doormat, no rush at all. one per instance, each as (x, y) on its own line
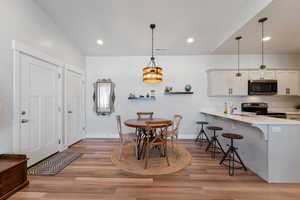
(53, 165)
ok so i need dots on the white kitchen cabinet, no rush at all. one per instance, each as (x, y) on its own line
(293, 117)
(258, 75)
(288, 83)
(239, 85)
(225, 83)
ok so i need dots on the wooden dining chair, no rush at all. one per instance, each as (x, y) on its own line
(156, 137)
(173, 133)
(125, 137)
(145, 115)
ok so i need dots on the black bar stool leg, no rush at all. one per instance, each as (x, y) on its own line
(225, 156)
(240, 160)
(215, 145)
(199, 134)
(208, 146)
(202, 136)
(220, 146)
(230, 156)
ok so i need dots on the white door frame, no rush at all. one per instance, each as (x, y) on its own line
(73, 69)
(18, 49)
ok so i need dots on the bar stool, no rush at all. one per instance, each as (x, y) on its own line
(214, 142)
(231, 153)
(202, 136)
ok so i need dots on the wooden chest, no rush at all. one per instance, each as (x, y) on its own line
(13, 174)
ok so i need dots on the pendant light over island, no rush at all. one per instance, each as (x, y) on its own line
(262, 21)
(238, 74)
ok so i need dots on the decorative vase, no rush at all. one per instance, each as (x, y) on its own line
(188, 88)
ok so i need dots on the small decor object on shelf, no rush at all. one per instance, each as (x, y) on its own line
(188, 88)
(168, 89)
(152, 93)
(146, 97)
(143, 98)
(298, 107)
(131, 96)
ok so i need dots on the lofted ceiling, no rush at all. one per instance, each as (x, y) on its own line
(283, 26)
(123, 25)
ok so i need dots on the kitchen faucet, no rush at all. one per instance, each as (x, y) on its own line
(232, 109)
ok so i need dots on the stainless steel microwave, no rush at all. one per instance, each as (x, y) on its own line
(262, 87)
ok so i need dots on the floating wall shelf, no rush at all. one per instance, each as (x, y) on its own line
(172, 93)
(142, 99)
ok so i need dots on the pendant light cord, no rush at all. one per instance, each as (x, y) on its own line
(262, 43)
(238, 56)
(152, 26)
(262, 21)
(152, 42)
(238, 52)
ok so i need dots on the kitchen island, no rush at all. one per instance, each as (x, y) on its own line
(270, 148)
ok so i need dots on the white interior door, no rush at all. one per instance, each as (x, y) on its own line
(73, 107)
(39, 104)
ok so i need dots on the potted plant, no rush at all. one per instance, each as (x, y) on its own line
(298, 107)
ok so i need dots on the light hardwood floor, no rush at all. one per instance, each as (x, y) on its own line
(93, 176)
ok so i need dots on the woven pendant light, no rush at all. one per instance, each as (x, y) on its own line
(152, 73)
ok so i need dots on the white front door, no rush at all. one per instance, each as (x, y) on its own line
(39, 108)
(73, 101)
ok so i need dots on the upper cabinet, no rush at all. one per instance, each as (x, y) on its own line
(225, 83)
(288, 83)
(258, 75)
(240, 84)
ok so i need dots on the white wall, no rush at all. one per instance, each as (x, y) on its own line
(126, 72)
(24, 21)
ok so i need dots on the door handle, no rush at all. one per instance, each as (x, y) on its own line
(23, 121)
(70, 112)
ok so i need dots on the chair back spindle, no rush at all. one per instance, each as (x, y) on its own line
(145, 115)
(176, 122)
(119, 127)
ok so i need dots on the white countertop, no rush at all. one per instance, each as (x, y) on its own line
(253, 119)
(293, 113)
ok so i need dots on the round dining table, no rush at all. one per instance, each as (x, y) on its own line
(140, 126)
(141, 123)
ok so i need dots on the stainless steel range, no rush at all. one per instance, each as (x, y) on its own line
(261, 109)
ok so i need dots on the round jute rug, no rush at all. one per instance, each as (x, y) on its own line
(179, 158)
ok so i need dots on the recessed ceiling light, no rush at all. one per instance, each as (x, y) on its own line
(100, 42)
(190, 40)
(267, 38)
